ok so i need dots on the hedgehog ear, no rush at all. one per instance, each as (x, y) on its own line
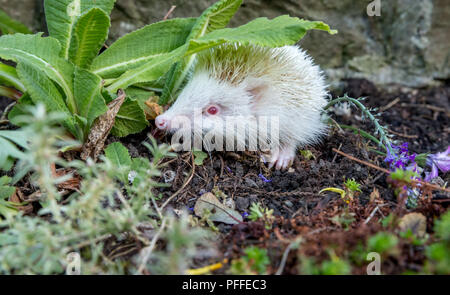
(257, 89)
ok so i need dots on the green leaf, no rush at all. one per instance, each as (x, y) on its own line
(5, 180)
(130, 119)
(9, 77)
(42, 90)
(89, 35)
(147, 44)
(88, 97)
(43, 54)
(119, 156)
(20, 109)
(18, 137)
(215, 17)
(62, 15)
(9, 140)
(6, 191)
(139, 94)
(199, 157)
(149, 71)
(7, 209)
(11, 26)
(281, 31)
(173, 76)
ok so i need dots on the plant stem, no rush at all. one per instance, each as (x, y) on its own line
(10, 93)
(383, 136)
(362, 133)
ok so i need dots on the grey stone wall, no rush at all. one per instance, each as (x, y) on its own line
(409, 44)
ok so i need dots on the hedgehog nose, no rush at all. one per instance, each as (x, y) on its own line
(161, 123)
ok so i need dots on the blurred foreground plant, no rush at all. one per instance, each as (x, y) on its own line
(102, 210)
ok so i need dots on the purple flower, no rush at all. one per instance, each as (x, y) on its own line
(264, 178)
(439, 161)
(398, 156)
(245, 214)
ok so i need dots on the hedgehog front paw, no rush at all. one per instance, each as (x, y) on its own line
(281, 159)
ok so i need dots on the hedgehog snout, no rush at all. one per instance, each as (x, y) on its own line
(162, 122)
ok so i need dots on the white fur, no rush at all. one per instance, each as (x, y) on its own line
(258, 81)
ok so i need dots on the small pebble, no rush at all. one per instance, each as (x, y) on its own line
(131, 176)
(288, 203)
(242, 203)
(169, 176)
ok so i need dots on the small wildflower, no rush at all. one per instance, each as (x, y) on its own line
(398, 156)
(439, 161)
(169, 176)
(263, 178)
(404, 166)
(245, 214)
(131, 176)
(228, 169)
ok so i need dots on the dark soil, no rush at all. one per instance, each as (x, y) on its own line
(417, 116)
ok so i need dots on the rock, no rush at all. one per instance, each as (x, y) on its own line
(415, 222)
(407, 45)
(27, 12)
(242, 203)
(288, 203)
(219, 212)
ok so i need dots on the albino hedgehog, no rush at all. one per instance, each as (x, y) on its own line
(252, 81)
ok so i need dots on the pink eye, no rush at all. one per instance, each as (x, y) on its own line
(213, 110)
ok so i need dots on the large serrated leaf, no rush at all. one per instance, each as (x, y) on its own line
(42, 90)
(281, 31)
(11, 26)
(61, 16)
(88, 96)
(149, 71)
(88, 37)
(43, 54)
(8, 77)
(214, 18)
(142, 46)
(130, 119)
(20, 109)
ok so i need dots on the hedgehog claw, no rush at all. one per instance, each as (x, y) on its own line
(282, 159)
